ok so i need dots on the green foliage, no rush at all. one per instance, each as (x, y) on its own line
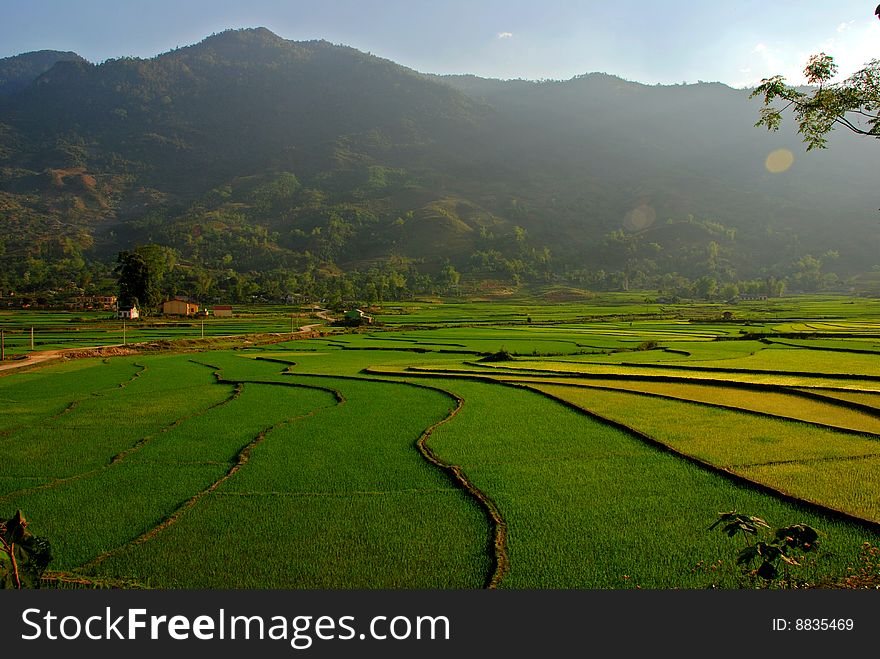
(500, 356)
(734, 523)
(17, 73)
(140, 275)
(510, 182)
(23, 556)
(853, 104)
(784, 547)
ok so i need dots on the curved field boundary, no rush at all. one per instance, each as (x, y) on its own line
(732, 408)
(496, 522)
(732, 476)
(261, 359)
(218, 373)
(840, 402)
(868, 334)
(142, 367)
(119, 457)
(241, 460)
(755, 371)
(855, 351)
(705, 369)
(122, 455)
(838, 458)
(695, 379)
(72, 405)
(418, 349)
(455, 472)
(417, 342)
(524, 375)
(518, 379)
(828, 394)
(814, 506)
(334, 495)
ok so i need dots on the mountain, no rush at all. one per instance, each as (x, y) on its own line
(255, 158)
(18, 72)
(685, 150)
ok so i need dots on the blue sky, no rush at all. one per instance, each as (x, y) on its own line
(736, 42)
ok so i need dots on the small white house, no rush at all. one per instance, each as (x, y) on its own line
(127, 313)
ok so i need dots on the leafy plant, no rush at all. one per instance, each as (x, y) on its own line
(852, 103)
(23, 556)
(767, 550)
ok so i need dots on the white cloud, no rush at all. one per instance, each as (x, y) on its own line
(505, 35)
(852, 44)
(856, 47)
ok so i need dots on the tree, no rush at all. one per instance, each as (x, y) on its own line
(853, 103)
(133, 279)
(449, 277)
(728, 291)
(140, 274)
(706, 287)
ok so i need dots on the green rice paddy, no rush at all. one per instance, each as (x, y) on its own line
(398, 457)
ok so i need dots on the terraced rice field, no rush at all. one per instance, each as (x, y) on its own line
(595, 454)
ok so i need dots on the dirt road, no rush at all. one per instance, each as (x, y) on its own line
(42, 356)
(33, 358)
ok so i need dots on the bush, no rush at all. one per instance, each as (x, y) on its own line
(767, 550)
(23, 556)
(500, 356)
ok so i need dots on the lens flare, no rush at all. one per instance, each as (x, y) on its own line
(779, 161)
(639, 218)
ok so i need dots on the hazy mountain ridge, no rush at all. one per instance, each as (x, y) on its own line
(18, 72)
(251, 152)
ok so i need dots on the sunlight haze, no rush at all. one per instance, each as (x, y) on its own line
(654, 43)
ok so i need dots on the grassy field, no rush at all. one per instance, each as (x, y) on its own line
(77, 329)
(590, 506)
(592, 451)
(736, 441)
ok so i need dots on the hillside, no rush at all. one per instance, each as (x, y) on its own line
(261, 161)
(18, 72)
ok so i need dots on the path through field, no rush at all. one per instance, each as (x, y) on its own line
(44, 356)
(31, 359)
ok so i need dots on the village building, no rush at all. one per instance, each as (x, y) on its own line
(221, 310)
(179, 306)
(105, 302)
(357, 317)
(128, 313)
